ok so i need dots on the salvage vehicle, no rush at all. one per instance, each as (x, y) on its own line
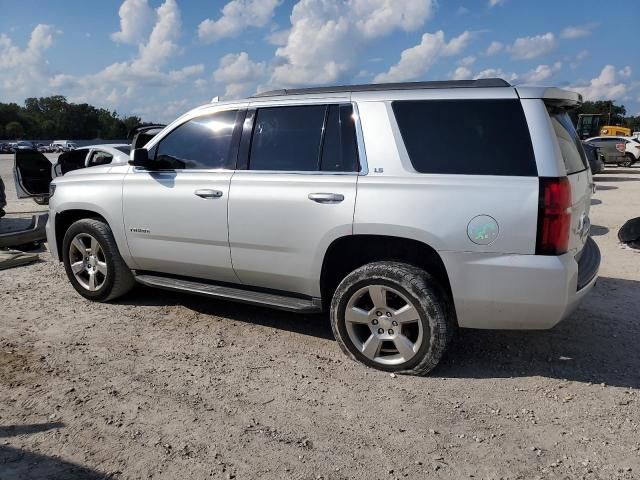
(31, 166)
(350, 199)
(621, 151)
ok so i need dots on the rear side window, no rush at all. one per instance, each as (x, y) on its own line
(305, 138)
(287, 138)
(570, 146)
(201, 143)
(470, 137)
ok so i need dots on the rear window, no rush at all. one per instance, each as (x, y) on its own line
(570, 146)
(124, 149)
(471, 137)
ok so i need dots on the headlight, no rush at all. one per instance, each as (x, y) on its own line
(52, 189)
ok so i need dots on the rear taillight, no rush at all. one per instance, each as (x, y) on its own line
(554, 216)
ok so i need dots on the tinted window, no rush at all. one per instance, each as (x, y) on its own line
(124, 149)
(201, 143)
(339, 150)
(287, 138)
(473, 137)
(569, 143)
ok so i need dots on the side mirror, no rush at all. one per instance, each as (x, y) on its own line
(140, 158)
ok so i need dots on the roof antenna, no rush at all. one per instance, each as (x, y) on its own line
(215, 99)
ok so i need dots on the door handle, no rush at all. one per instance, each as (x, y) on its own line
(326, 197)
(206, 193)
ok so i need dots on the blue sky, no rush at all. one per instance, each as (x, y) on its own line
(158, 58)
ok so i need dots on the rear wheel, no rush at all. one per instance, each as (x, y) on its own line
(93, 263)
(629, 160)
(392, 316)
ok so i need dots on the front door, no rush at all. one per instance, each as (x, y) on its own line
(295, 196)
(175, 214)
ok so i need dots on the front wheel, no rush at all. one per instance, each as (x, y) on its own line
(392, 316)
(93, 263)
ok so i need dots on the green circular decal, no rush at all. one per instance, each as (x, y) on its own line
(483, 230)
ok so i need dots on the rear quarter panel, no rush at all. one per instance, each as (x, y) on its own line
(436, 209)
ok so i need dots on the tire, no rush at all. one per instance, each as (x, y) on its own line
(112, 277)
(628, 162)
(367, 335)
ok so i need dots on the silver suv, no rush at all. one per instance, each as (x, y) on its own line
(405, 210)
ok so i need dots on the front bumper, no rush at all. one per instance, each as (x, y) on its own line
(51, 235)
(519, 292)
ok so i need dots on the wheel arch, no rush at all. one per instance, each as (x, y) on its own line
(347, 253)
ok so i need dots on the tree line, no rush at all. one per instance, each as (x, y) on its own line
(614, 114)
(54, 117)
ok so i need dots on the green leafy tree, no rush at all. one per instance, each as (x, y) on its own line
(54, 118)
(14, 130)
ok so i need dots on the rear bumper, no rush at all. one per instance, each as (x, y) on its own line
(527, 292)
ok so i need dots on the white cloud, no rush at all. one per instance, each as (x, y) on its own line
(526, 48)
(326, 36)
(416, 61)
(496, 73)
(467, 61)
(577, 31)
(494, 48)
(237, 15)
(162, 43)
(240, 74)
(23, 70)
(136, 19)
(494, 3)
(278, 37)
(625, 72)
(541, 73)
(605, 86)
(119, 84)
(461, 73)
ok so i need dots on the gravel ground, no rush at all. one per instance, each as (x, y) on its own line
(161, 385)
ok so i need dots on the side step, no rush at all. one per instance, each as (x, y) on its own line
(281, 302)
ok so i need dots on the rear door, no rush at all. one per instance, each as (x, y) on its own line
(32, 174)
(579, 175)
(295, 195)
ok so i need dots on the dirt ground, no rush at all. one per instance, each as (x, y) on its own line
(161, 385)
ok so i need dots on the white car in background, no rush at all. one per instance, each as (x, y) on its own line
(91, 156)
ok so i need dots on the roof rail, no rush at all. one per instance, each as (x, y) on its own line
(376, 87)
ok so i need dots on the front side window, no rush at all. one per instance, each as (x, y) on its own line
(470, 137)
(306, 138)
(201, 143)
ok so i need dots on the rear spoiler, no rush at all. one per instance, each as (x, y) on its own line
(557, 97)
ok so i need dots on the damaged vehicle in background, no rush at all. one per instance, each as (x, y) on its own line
(31, 166)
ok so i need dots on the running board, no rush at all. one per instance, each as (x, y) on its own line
(281, 302)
